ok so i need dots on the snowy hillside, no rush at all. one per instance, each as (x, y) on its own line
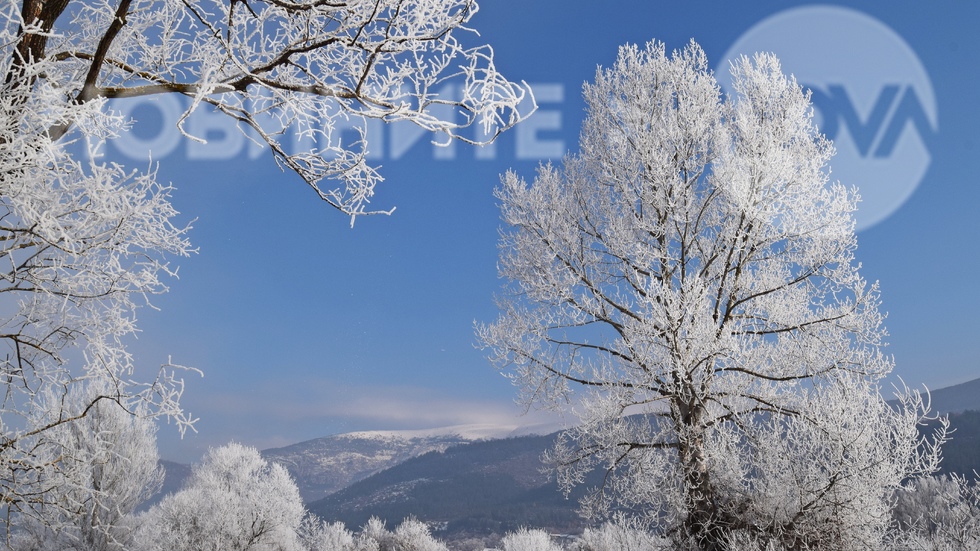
(325, 465)
(475, 490)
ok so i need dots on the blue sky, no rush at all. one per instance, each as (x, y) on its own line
(305, 327)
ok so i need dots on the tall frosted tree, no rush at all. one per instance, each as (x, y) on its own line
(686, 285)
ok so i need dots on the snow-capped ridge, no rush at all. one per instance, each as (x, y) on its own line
(324, 465)
(470, 432)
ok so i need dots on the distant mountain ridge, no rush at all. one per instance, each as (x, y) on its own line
(325, 465)
(956, 398)
(470, 490)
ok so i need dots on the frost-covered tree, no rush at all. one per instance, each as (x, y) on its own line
(84, 242)
(937, 513)
(686, 284)
(316, 534)
(108, 466)
(234, 499)
(411, 535)
(81, 246)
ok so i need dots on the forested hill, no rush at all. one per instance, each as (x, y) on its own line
(957, 398)
(324, 465)
(961, 455)
(472, 489)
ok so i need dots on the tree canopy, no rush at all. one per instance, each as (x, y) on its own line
(687, 284)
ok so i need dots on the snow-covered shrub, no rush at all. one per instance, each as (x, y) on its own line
(529, 540)
(411, 535)
(233, 500)
(616, 537)
(320, 535)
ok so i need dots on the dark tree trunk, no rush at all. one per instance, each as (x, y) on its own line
(704, 522)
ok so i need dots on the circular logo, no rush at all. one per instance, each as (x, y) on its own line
(871, 95)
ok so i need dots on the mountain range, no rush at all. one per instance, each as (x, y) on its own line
(956, 398)
(325, 465)
(476, 489)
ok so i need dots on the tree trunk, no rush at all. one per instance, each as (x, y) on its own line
(703, 523)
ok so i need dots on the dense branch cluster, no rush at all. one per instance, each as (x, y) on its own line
(81, 246)
(687, 282)
(279, 68)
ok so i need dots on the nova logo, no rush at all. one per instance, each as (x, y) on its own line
(894, 109)
(870, 92)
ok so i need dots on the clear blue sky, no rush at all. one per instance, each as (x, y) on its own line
(305, 327)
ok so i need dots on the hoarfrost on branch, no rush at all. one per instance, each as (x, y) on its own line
(85, 242)
(686, 284)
